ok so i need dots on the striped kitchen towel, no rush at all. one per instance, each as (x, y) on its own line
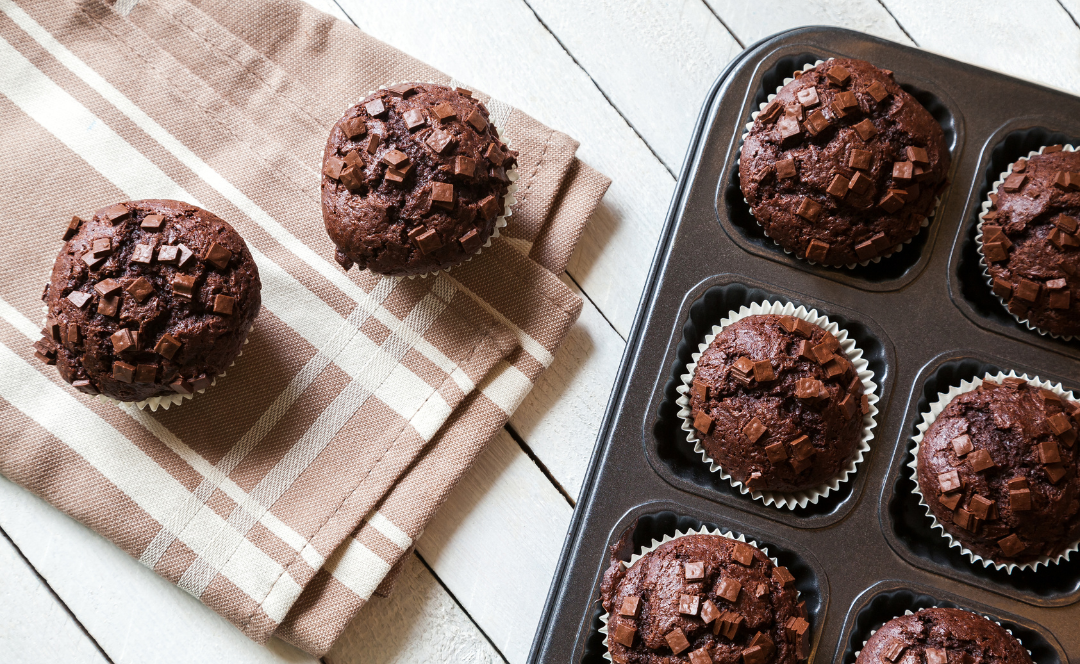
(284, 496)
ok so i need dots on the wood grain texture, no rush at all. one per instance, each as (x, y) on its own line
(419, 622)
(33, 623)
(495, 544)
(1035, 40)
(560, 418)
(500, 47)
(134, 615)
(677, 48)
(751, 21)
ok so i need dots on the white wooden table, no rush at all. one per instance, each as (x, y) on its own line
(626, 78)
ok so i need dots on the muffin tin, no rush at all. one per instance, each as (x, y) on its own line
(925, 319)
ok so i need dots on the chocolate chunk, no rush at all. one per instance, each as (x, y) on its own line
(1048, 452)
(464, 166)
(414, 117)
(771, 111)
(676, 640)
(375, 108)
(395, 158)
(333, 167)
(838, 75)
(700, 656)
(442, 194)
(839, 186)
(754, 655)
(168, 254)
(801, 448)
(1055, 471)
(860, 159)
(146, 373)
(865, 250)
(167, 346)
(218, 256)
(808, 97)
(51, 329)
(865, 129)
(223, 305)
(763, 371)
(101, 246)
(781, 575)
(950, 481)
(849, 404)
(846, 101)
(785, 168)
(402, 89)
(1066, 223)
(893, 649)
(114, 214)
(143, 253)
(123, 372)
(689, 605)
(631, 606)
(860, 184)
(186, 256)
(980, 460)
(776, 453)
(1014, 182)
(477, 121)
(703, 423)
(439, 141)
(950, 502)
(152, 222)
(1011, 546)
(1059, 423)
(47, 359)
(85, 386)
(892, 202)
(816, 123)
(624, 634)
(981, 507)
(443, 111)
(372, 143)
(699, 389)
(742, 553)
(71, 334)
(903, 170)
(809, 389)
(140, 289)
(962, 444)
(470, 241)
(877, 91)
(72, 228)
(183, 285)
(709, 611)
(995, 252)
(1020, 499)
(936, 656)
(122, 340)
(354, 128)
(1060, 300)
(1027, 291)
(201, 383)
(79, 298)
(788, 129)
(182, 386)
(804, 328)
(694, 571)
(429, 241)
(394, 175)
(809, 209)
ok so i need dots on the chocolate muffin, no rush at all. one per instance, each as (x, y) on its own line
(998, 468)
(705, 597)
(942, 636)
(843, 165)
(148, 298)
(413, 180)
(1030, 242)
(777, 404)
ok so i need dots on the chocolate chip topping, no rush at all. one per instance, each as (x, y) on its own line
(942, 636)
(1030, 241)
(420, 188)
(865, 132)
(795, 422)
(132, 325)
(740, 608)
(998, 468)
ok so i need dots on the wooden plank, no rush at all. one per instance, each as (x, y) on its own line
(1036, 40)
(34, 625)
(655, 61)
(500, 47)
(495, 544)
(419, 622)
(560, 418)
(751, 21)
(133, 614)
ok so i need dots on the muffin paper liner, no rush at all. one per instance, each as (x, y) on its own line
(509, 199)
(979, 245)
(803, 497)
(943, 400)
(909, 612)
(667, 538)
(162, 400)
(850, 266)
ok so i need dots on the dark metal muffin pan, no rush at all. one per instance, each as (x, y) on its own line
(925, 319)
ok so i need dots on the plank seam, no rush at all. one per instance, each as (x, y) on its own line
(1075, 22)
(598, 310)
(729, 30)
(539, 464)
(898, 24)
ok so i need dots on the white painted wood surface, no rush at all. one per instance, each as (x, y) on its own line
(626, 78)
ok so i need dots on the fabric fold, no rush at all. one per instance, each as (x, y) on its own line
(289, 493)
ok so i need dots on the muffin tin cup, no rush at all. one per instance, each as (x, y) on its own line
(704, 530)
(851, 266)
(164, 401)
(944, 398)
(979, 244)
(779, 499)
(909, 612)
(509, 200)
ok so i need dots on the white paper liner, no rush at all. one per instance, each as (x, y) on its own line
(667, 538)
(850, 266)
(509, 199)
(909, 612)
(982, 259)
(162, 400)
(851, 351)
(928, 419)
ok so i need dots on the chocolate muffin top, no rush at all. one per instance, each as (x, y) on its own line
(843, 165)
(707, 598)
(1030, 241)
(413, 180)
(998, 468)
(942, 636)
(148, 298)
(777, 404)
